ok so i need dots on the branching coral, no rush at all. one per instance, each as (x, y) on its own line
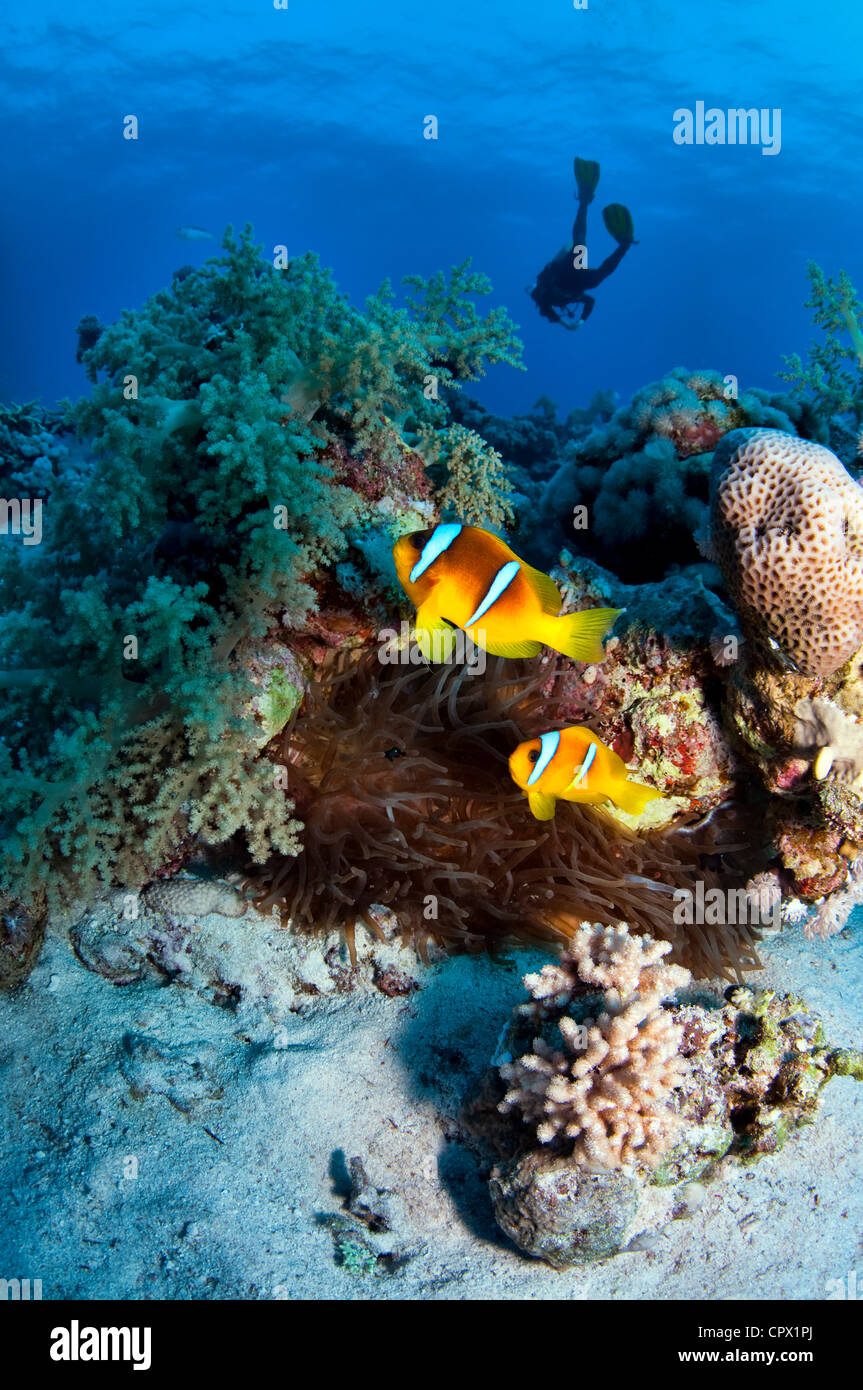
(608, 1090)
(213, 504)
(475, 486)
(401, 778)
(696, 1081)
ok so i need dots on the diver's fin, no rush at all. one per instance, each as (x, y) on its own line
(632, 797)
(512, 649)
(543, 806)
(579, 635)
(434, 636)
(618, 222)
(586, 177)
(546, 589)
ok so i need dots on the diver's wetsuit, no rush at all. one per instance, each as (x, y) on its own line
(560, 286)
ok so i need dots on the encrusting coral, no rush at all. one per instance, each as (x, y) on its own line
(401, 778)
(242, 439)
(608, 1089)
(787, 532)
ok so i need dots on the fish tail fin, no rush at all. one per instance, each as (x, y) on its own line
(632, 797)
(579, 635)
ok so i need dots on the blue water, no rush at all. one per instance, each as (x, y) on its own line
(308, 122)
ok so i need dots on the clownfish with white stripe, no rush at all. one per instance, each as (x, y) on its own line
(574, 765)
(464, 577)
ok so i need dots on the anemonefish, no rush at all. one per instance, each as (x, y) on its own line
(574, 765)
(464, 577)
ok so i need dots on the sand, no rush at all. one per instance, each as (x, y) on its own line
(186, 1135)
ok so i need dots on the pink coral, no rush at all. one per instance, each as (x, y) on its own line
(608, 1089)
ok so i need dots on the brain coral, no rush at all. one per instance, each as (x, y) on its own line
(787, 533)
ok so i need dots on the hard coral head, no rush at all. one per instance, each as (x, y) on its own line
(787, 533)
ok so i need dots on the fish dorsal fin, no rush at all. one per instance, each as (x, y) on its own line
(545, 587)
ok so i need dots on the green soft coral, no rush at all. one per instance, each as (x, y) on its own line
(832, 375)
(195, 514)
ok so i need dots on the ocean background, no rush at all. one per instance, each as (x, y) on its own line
(308, 123)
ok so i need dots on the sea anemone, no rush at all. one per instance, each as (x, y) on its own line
(400, 775)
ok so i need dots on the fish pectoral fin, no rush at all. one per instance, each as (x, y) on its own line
(512, 649)
(433, 635)
(546, 590)
(542, 806)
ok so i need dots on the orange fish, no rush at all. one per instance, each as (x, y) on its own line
(574, 765)
(464, 577)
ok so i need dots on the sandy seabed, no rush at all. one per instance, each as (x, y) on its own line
(186, 1135)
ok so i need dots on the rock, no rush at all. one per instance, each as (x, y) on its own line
(22, 931)
(560, 1212)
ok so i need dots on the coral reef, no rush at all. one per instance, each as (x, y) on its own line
(401, 778)
(239, 443)
(831, 738)
(643, 476)
(831, 914)
(654, 697)
(35, 447)
(697, 1080)
(786, 529)
(560, 1212)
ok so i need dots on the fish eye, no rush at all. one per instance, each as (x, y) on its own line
(533, 755)
(418, 539)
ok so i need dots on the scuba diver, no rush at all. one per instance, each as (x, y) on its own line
(563, 283)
